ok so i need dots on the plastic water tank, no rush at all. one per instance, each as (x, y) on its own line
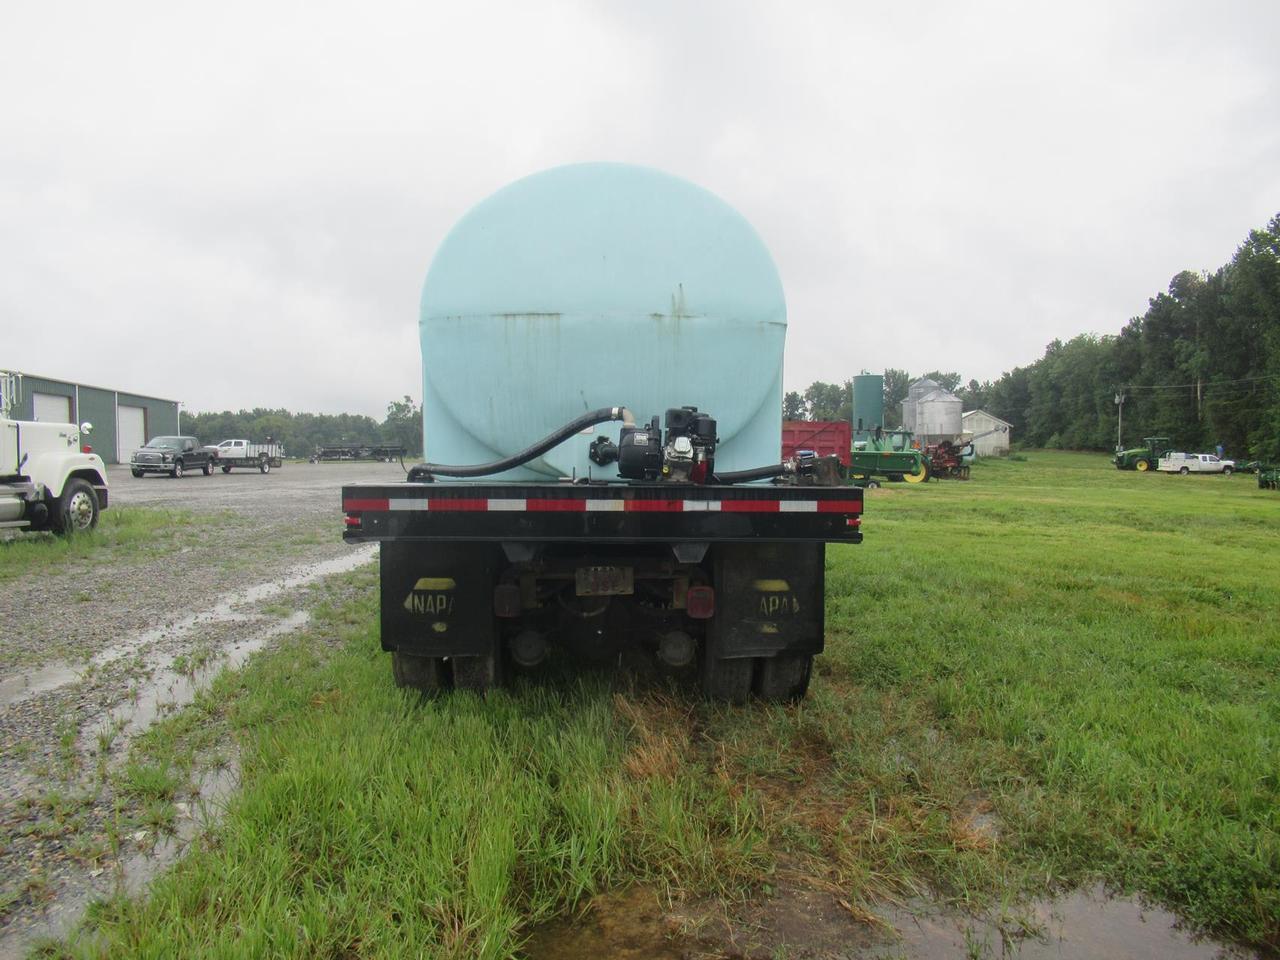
(598, 285)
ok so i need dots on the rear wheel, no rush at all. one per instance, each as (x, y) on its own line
(226, 468)
(920, 477)
(424, 674)
(264, 465)
(477, 674)
(727, 680)
(1184, 471)
(77, 509)
(785, 677)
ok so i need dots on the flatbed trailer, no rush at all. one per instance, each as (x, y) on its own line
(481, 579)
(386, 453)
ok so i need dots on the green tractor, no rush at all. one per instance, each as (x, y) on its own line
(889, 454)
(1268, 476)
(1145, 457)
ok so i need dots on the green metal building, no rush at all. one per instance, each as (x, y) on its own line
(122, 421)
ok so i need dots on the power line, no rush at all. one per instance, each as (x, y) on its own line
(1202, 384)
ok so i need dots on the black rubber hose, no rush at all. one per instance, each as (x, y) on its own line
(424, 471)
(755, 473)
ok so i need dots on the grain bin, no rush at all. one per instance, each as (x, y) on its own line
(592, 285)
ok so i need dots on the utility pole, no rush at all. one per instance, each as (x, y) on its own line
(1119, 419)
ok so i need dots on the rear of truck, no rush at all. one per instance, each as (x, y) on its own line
(683, 539)
(481, 581)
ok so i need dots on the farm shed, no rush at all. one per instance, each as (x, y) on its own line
(990, 432)
(122, 421)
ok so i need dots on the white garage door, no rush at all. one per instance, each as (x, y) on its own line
(52, 408)
(132, 431)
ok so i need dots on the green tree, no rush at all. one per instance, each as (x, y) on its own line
(403, 425)
(792, 406)
(896, 385)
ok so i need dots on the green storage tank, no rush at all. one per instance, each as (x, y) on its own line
(868, 404)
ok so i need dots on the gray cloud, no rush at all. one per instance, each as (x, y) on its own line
(258, 189)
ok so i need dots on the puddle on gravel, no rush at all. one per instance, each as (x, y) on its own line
(1085, 925)
(58, 674)
(170, 688)
(131, 875)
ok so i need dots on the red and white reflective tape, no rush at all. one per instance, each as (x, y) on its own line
(584, 505)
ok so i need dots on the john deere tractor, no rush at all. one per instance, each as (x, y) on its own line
(1143, 458)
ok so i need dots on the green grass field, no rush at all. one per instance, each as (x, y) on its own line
(1053, 674)
(122, 533)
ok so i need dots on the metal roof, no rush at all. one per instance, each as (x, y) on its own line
(969, 413)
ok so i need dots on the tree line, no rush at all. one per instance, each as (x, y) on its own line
(1201, 366)
(301, 433)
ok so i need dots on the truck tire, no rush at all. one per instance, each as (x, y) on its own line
(728, 680)
(1184, 471)
(1227, 471)
(226, 468)
(176, 472)
(136, 473)
(264, 465)
(784, 678)
(208, 468)
(476, 674)
(424, 674)
(76, 511)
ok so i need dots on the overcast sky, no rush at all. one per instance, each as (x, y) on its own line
(235, 204)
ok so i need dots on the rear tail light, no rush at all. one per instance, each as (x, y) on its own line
(86, 449)
(700, 604)
(352, 520)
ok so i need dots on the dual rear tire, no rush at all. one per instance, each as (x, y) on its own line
(782, 678)
(432, 676)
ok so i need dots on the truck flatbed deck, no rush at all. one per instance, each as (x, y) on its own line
(621, 513)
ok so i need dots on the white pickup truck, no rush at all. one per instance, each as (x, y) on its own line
(48, 478)
(1195, 463)
(244, 453)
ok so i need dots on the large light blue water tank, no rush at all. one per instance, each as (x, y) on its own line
(594, 285)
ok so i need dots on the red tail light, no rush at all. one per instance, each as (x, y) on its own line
(86, 449)
(352, 520)
(700, 604)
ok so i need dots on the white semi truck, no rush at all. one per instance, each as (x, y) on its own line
(49, 480)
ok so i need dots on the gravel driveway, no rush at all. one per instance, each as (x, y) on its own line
(105, 643)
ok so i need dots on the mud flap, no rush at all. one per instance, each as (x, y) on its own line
(768, 599)
(437, 598)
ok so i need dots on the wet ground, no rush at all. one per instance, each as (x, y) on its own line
(80, 680)
(92, 655)
(803, 924)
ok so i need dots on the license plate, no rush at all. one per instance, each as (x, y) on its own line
(604, 581)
